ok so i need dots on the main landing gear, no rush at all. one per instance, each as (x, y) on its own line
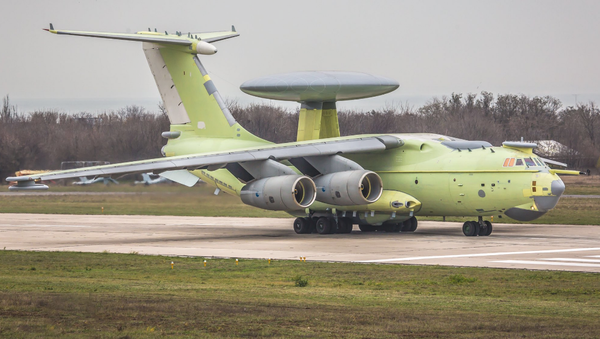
(409, 225)
(323, 225)
(475, 228)
(328, 225)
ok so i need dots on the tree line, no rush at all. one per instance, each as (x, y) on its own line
(43, 139)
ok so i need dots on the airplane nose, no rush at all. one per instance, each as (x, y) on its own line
(546, 203)
(557, 187)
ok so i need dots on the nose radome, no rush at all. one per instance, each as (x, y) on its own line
(546, 203)
(557, 187)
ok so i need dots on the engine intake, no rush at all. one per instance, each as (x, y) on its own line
(349, 188)
(281, 193)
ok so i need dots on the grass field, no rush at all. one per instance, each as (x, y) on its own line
(72, 295)
(173, 199)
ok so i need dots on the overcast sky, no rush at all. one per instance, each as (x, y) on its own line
(431, 48)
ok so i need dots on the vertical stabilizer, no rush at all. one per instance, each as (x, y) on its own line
(189, 94)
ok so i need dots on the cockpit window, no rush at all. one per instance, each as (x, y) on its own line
(529, 162)
(519, 162)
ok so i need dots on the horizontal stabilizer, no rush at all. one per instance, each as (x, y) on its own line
(187, 39)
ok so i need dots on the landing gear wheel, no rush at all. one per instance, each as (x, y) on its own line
(487, 230)
(344, 225)
(392, 228)
(302, 225)
(413, 224)
(470, 228)
(366, 228)
(313, 224)
(410, 225)
(324, 226)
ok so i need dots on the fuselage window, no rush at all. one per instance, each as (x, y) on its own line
(519, 162)
(529, 162)
(509, 162)
(538, 161)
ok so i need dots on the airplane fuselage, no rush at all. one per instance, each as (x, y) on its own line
(446, 177)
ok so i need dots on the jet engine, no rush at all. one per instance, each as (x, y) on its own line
(280, 193)
(347, 188)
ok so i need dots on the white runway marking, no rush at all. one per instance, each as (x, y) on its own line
(482, 254)
(572, 259)
(593, 256)
(531, 262)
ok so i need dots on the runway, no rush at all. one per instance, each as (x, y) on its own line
(547, 247)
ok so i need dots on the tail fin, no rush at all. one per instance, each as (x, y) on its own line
(191, 99)
(188, 93)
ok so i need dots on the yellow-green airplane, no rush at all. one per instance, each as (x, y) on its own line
(378, 181)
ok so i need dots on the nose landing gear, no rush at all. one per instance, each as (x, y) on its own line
(475, 228)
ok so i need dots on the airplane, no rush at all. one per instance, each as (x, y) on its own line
(380, 182)
(148, 181)
(83, 181)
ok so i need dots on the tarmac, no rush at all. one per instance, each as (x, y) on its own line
(526, 246)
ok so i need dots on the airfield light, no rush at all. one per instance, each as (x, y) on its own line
(236, 262)
(269, 261)
(204, 263)
(172, 264)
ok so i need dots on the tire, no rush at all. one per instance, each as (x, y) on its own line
(470, 228)
(366, 228)
(324, 226)
(313, 224)
(413, 224)
(344, 225)
(488, 229)
(406, 224)
(301, 226)
(410, 225)
(393, 228)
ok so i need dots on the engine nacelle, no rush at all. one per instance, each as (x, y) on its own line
(205, 48)
(281, 193)
(347, 188)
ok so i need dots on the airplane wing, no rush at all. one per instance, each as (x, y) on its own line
(210, 161)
